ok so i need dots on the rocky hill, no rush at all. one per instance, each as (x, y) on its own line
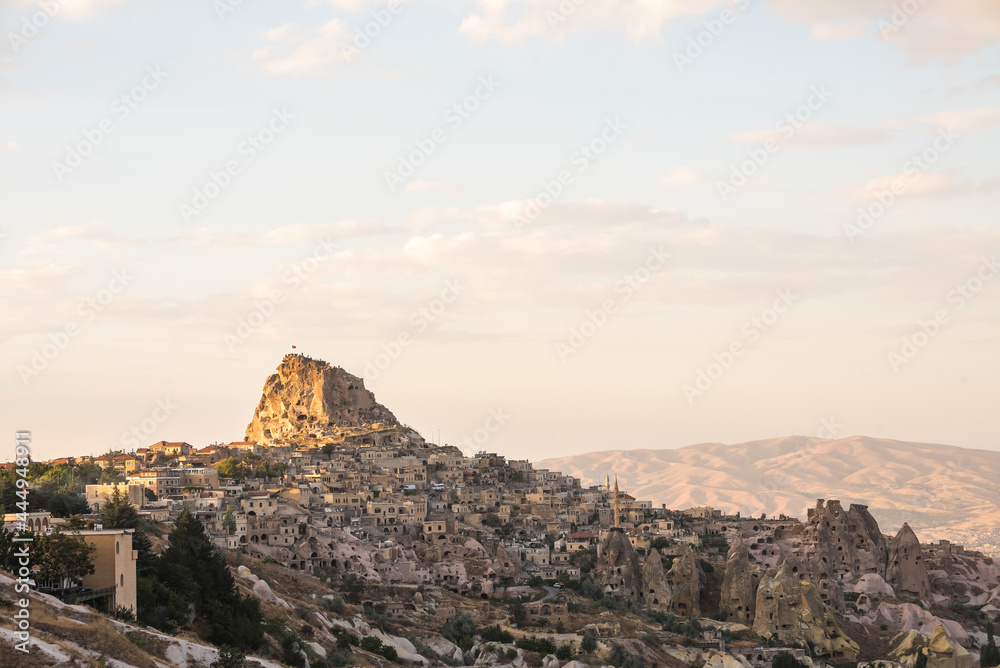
(308, 397)
(942, 491)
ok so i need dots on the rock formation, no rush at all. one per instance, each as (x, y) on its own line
(942, 652)
(789, 609)
(684, 578)
(307, 396)
(738, 597)
(507, 565)
(618, 567)
(656, 593)
(907, 572)
(841, 544)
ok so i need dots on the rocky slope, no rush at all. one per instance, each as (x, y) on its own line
(942, 491)
(310, 397)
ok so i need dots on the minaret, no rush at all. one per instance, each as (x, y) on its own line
(607, 482)
(618, 524)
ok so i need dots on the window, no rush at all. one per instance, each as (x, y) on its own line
(117, 548)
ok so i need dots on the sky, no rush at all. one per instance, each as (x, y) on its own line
(536, 227)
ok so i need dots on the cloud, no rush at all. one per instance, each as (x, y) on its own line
(932, 30)
(72, 9)
(216, 241)
(428, 186)
(940, 184)
(291, 52)
(682, 176)
(960, 121)
(96, 235)
(811, 133)
(838, 30)
(510, 21)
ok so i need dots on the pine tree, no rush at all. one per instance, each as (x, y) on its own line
(990, 655)
(119, 513)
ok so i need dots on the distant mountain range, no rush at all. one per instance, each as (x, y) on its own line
(942, 491)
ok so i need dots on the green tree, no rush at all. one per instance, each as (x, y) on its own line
(59, 555)
(589, 642)
(518, 613)
(229, 657)
(785, 660)
(327, 449)
(371, 644)
(564, 653)
(232, 468)
(197, 573)
(119, 513)
(989, 656)
(228, 521)
(63, 504)
(150, 494)
(921, 661)
(458, 627)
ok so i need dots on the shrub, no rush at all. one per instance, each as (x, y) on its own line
(457, 627)
(564, 653)
(496, 634)
(136, 638)
(333, 604)
(540, 645)
(229, 657)
(785, 660)
(589, 642)
(371, 644)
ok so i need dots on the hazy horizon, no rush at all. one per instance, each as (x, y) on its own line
(618, 224)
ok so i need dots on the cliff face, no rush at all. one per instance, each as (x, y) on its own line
(738, 594)
(839, 544)
(307, 396)
(907, 572)
(618, 570)
(790, 609)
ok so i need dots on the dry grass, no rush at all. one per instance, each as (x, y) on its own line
(11, 658)
(100, 637)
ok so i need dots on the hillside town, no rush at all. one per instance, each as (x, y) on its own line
(336, 516)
